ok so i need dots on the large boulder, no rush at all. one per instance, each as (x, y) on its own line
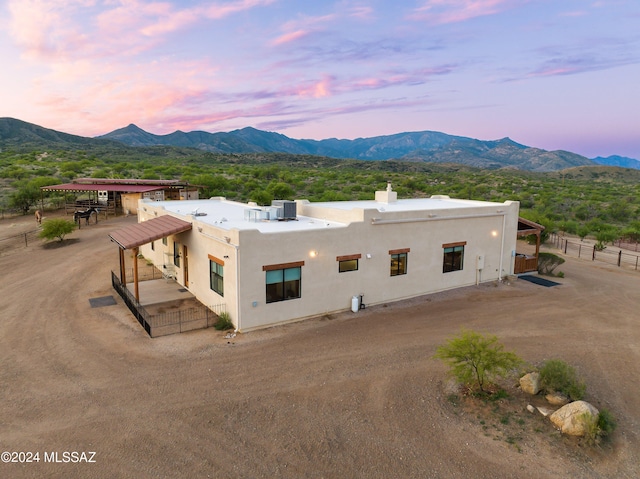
(530, 383)
(573, 419)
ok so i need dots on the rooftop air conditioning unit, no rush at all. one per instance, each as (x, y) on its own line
(286, 209)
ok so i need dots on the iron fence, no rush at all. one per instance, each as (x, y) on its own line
(170, 322)
(582, 250)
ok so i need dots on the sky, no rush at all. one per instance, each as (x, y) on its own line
(552, 74)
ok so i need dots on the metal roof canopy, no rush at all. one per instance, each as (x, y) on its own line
(148, 231)
(102, 187)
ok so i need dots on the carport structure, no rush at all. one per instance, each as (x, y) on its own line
(134, 236)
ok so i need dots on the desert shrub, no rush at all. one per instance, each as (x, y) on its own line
(556, 375)
(224, 322)
(547, 262)
(56, 228)
(476, 359)
(606, 423)
(590, 428)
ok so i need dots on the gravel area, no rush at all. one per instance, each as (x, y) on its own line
(353, 395)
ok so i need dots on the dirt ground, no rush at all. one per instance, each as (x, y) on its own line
(357, 395)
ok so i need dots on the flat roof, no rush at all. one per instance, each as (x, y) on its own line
(409, 204)
(230, 215)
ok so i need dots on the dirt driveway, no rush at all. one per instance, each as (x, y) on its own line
(353, 396)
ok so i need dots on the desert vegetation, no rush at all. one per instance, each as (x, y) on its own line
(483, 372)
(601, 202)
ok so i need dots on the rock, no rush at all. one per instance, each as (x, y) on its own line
(572, 418)
(557, 399)
(530, 408)
(530, 383)
(545, 411)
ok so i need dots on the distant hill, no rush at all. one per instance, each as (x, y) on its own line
(620, 161)
(20, 134)
(423, 146)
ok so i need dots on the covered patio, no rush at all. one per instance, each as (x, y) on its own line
(525, 262)
(161, 306)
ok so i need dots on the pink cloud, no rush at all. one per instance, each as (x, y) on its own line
(454, 11)
(290, 37)
(318, 89)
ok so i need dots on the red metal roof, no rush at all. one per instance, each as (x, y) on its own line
(102, 187)
(148, 231)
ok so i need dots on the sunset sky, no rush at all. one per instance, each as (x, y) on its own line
(554, 74)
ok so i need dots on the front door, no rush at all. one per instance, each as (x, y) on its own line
(186, 266)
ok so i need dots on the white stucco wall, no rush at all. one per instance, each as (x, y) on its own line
(489, 230)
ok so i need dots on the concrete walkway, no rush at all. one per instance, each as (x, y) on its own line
(160, 291)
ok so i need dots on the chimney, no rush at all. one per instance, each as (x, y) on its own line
(387, 196)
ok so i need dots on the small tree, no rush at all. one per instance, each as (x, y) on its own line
(478, 359)
(56, 228)
(547, 262)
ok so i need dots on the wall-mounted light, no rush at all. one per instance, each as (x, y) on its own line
(200, 229)
(368, 255)
(313, 253)
(494, 233)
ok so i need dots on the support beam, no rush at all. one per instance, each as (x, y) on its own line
(123, 272)
(135, 274)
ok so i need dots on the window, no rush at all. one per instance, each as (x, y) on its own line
(283, 281)
(164, 241)
(453, 257)
(399, 261)
(348, 263)
(176, 254)
(153, 246)
(216, 275)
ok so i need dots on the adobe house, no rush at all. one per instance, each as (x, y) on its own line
(296, 259)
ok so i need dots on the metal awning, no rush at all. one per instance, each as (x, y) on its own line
(102, 187)
(148, 231)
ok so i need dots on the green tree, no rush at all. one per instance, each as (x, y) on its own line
(24, 197)
(476, 359)
(56, 228)
(547, 262)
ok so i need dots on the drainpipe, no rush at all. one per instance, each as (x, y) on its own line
(501, 249)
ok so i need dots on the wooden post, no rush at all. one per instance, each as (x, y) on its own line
(123, 272)
(619, 258)
(135, 274)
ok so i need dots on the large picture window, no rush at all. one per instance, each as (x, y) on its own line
(453, 257)
(283, 282)
(399, 261)
(216, 273)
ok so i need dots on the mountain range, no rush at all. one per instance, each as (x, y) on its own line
(423, 146)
